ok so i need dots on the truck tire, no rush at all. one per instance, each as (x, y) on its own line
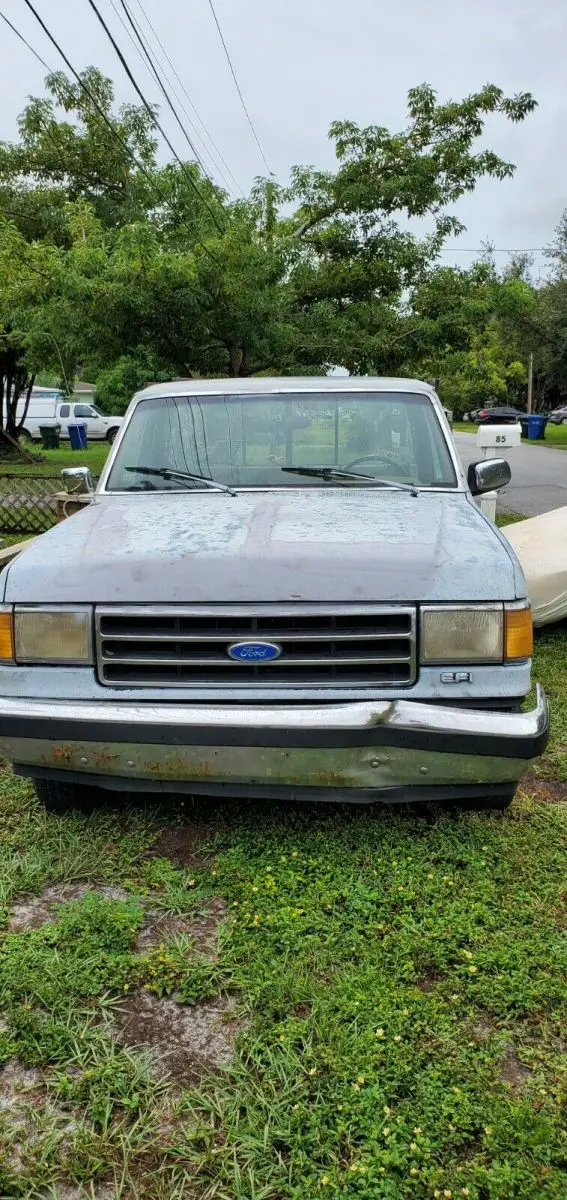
(59, 796)
(111, 434)
(496, 803)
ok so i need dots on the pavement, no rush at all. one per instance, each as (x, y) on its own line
(539, 475)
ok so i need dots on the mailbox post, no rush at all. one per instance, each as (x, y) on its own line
(496, 441)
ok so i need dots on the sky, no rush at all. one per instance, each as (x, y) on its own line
(304, 63)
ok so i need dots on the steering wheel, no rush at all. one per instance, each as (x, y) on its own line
(374, 458)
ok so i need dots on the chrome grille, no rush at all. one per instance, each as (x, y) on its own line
(175, 646)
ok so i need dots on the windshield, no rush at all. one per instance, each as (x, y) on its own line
(245, 441)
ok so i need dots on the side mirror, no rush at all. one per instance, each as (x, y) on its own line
(78, 481)
(488, 475)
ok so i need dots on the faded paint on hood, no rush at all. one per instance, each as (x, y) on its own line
(311, 545)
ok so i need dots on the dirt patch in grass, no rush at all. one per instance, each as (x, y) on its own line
(512, 1071)
(186, 1041)
(202, 928)
(549, 790)
(33, 913)
(182, 844)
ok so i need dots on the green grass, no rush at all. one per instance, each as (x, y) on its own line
(400, 980)
(555, 435)
(53, 461)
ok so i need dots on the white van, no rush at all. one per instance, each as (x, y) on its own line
(49, 406)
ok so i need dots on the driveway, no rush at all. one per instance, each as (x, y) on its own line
(539, 475)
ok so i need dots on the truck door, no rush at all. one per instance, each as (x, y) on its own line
(96, 426)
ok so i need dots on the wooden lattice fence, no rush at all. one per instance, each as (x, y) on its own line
(27, 502)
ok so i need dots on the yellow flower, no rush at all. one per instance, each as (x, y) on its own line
(254, 889)
(353, 1167)
(379, 1033)
(397, 1038)
(414, 1171)
(381, 1170)
(488, 1130)
(325, 1181)
(406, 1012)
(456, 1090)
(386, 1132)
(448, 1194)
(413, 1147)
(465, 1192)
(355, 1087)
(473, 970)
(282, 1037)
(360, 1079)
(418, 1130)
(191, 883)
(386, 1110)
(431, 875)
(437, 1194)
(455, 996)
(313, 1071)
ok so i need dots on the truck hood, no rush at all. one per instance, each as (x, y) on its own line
(335, 545)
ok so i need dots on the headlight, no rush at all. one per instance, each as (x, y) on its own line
(53, 635)
(462, 635)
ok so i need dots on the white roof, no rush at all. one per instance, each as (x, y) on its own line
(285, 383)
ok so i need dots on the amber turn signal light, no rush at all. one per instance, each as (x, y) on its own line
(519, 635)
(6, 636)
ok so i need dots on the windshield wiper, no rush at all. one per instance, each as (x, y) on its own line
(337, 473)
(184, 476)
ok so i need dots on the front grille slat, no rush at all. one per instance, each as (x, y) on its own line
(366, 646)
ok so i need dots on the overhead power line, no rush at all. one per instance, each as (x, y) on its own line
(492, 250)
(27, 44)
(154, 118)
(195, 111)
(144, 52)
(158, 71)
(237, 86)
(93, 99)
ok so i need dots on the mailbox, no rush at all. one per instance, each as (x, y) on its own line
(498, 438)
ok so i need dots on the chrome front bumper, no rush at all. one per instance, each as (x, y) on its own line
(390, 750)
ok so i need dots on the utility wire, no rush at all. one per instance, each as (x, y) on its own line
(237, 86)
(143, 56)
(187, 97)
(143, 49)
(154, 118)
(85, 88)
(22, 39)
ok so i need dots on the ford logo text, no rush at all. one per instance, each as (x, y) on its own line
(254, 652)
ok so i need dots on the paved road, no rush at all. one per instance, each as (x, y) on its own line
(539, 475)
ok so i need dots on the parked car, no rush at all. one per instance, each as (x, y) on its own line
(50, 407)
(558, 416)
(503, 415)
(283, 618)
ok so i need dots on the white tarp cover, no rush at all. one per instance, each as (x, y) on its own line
(541, 546)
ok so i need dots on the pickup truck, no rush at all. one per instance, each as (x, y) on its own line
(282, 588)
(51, 408)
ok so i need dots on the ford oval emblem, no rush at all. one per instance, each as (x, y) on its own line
(254, 652)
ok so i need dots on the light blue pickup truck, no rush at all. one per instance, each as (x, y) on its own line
(281, 588)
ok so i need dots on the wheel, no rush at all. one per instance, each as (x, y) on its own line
(496, 803)
(59, 796)
(564, 420)
(111, 435)
(26, 438)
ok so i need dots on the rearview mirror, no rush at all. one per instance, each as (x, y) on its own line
(488, 475)
(78, 481)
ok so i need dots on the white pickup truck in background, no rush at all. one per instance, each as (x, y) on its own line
(48, 406)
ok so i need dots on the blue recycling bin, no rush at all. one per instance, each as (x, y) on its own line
(536, 427)
(78, 435)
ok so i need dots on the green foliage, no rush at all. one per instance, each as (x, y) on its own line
(125, 274)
